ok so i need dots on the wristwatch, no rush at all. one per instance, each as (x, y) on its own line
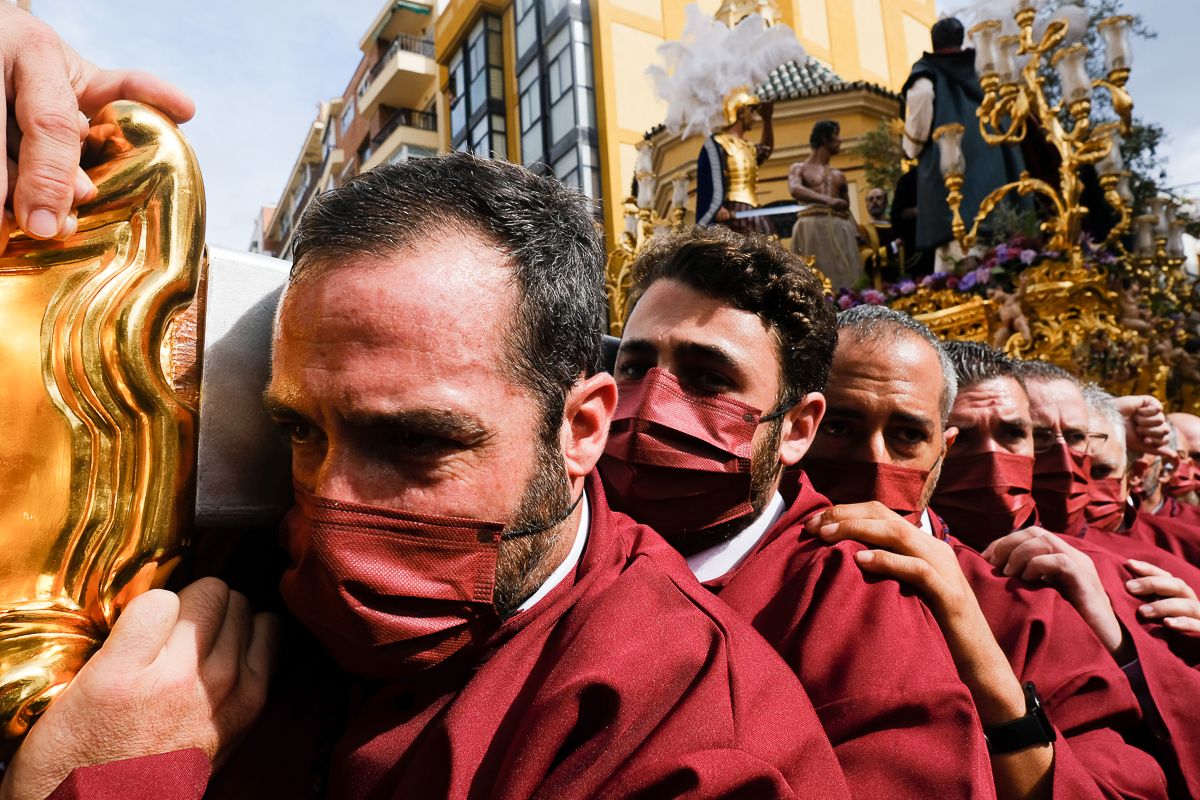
(1028, 731)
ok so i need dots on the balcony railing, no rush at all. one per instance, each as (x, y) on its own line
(404, 41)
(409, 118)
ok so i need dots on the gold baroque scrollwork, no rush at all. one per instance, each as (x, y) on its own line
(96, 450)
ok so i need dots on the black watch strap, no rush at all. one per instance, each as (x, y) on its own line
(1028, 731)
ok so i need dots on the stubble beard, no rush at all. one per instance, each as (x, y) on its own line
(521, 566)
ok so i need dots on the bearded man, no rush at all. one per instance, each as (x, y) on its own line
(893, 399)
(435, 365)
(725, 354)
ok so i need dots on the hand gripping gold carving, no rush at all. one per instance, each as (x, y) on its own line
(96, 451)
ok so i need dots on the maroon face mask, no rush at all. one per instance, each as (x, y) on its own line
(985, 496)
(1060, 488)
(898, 488)
(1106, 507)
(676, 461)
(1184, 480)
(387, 592)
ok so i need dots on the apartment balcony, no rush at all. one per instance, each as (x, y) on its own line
(406, 126)
(401, 78)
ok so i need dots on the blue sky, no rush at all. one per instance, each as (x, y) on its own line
(257, 68)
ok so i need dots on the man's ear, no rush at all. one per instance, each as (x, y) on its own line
(800, 425)
(949, 435)
(588, 411)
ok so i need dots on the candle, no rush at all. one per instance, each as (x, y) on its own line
(1112, 163)
(1071, 64)
(984, 36)
(1117, 51)
(949, 139)
(1125, 191)
(645, 159)
(1156, 208)
(646, 187)
(1007, 51)
(679, 193)
(1175, 247)
(1144, 235)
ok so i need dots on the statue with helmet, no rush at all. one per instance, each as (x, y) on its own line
(727, 168)
(706, 80)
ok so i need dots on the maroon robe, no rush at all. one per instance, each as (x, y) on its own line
(1173, 534)
(1086, 696)
(1166, 660)
(1177, 509)
(869, 654)
(627, 680)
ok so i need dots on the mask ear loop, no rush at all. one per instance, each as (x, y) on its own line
(544, 526)
(779, 412)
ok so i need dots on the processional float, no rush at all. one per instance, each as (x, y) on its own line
(131, 355)
(1117, 312)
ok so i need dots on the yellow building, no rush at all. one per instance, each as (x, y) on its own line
(562, 83)
(526, 51)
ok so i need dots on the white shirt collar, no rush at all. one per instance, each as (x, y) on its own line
(719, 559)
(568, 563)
(926, 524)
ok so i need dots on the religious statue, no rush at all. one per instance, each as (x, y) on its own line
(1011, 316)
(824, 227)
(944, 88)
(707, 79)
(727, 169)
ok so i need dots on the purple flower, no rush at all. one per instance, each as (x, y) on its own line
(845, 301)
(1002, 252)
(906, 287)
(1027, 256)
(968, 281)
(983, 274)
(873, 297)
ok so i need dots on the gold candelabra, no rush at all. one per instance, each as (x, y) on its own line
(1015, 103)
(642, 223)
(1158, 252)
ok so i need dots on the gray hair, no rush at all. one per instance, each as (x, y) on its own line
(1035, 371)
(868, 323)
(1105, 405)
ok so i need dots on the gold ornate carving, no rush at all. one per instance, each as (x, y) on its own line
(96, 450)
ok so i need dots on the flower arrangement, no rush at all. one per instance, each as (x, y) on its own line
(998, 267)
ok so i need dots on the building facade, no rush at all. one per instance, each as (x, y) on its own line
(560, 85)
(387, 112)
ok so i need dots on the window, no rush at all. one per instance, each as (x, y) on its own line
(557, 100)
(348, 116)
(476, 91)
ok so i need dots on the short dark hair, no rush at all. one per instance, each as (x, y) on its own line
(1037, 371)
(546, 230)
(822, 132)
(947, 34)
(753, 273)
(975, 362)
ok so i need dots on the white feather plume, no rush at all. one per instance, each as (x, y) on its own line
(711, 60)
